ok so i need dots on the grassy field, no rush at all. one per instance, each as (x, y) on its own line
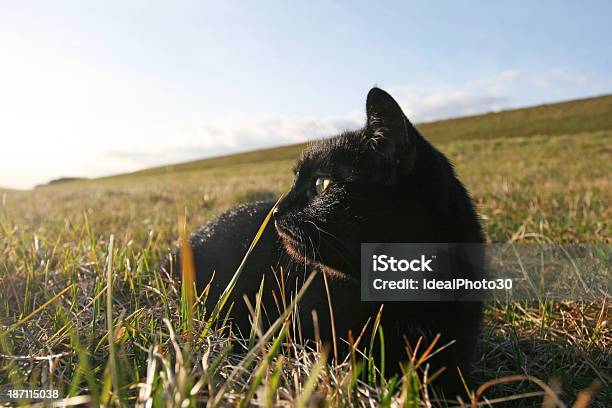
(85, 313)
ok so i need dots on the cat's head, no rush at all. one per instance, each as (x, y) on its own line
(353, 188)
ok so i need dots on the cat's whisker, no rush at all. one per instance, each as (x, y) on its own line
(314, 251)
(322, 230)
(318, 229)
(340, 251)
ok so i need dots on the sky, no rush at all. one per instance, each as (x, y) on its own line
(98, 88)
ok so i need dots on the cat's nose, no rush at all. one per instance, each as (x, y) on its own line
(278, 211)
(281, 207)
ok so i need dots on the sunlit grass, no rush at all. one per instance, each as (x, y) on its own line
(92, 315)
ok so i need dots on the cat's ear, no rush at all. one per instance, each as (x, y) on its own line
(387, 129)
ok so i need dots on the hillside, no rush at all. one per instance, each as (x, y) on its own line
(75, 253)
(582, 115)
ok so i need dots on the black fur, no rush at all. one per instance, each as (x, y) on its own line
(388, 184)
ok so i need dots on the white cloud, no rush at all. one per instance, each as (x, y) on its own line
(209, 138)
(507, 89)
(423, 104)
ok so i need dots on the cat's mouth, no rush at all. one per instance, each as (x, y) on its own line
(295, 247)
(292, 244)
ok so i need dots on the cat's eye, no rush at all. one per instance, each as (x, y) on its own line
(321, 184)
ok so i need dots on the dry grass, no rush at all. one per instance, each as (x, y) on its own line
(91, 319)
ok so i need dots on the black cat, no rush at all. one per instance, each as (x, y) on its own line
(382, 183)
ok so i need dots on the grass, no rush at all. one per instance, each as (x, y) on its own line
(82, 309)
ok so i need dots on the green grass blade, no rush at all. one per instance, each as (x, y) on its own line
(230, 287)
(311, 383)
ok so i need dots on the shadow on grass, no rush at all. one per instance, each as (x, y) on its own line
(565, 367)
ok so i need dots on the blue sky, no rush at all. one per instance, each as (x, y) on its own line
(89, 89)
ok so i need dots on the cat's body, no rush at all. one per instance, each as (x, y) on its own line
(383, 183)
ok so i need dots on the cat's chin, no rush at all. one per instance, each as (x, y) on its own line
(296, 251)
(294, 248)
(331, 272)
(291, 244)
